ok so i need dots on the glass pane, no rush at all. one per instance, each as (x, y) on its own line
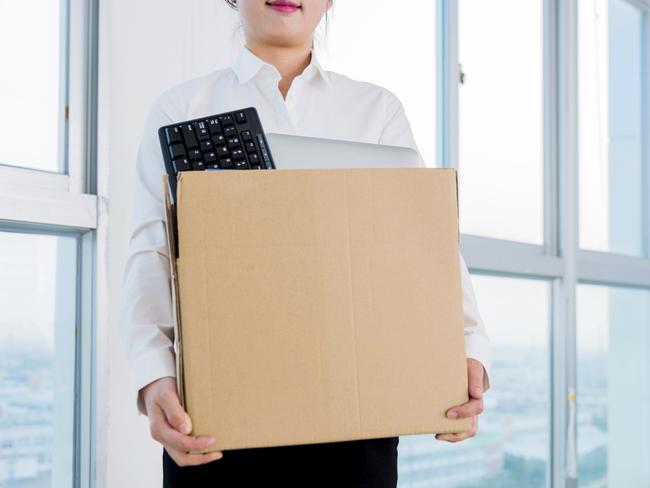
(611, 126)
(501, 119)
(384, 56)
(37, 360)
(511, 449)
(30, 50)
(613, 422)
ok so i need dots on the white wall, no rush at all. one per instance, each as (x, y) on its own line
(145, 47)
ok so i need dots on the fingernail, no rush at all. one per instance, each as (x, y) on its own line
(477, 391)
(209, 441)
(185, 428)
(217, 455)
(452, 414)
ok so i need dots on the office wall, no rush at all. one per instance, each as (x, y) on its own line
(145, 47)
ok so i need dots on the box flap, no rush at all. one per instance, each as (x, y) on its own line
(457, 202)
(172, 249)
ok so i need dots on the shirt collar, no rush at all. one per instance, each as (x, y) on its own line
(246, 65)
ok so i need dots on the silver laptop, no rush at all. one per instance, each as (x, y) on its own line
(301, 152)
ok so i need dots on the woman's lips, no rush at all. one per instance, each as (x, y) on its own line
(284, 8)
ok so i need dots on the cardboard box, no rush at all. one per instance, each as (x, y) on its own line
(318, 305)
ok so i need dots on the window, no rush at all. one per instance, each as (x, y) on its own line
(512, 448)
(37, 359)
(612, 148)
(613, 373)
(33, 85)
(48, 218)
(384, 54)
(501, 119)
(547, 124)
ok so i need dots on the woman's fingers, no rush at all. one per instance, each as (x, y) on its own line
(183, 459)
(168, 401)
(472, 408)
(475, 374)
(463, 435)
(169, 424)
(169, 437)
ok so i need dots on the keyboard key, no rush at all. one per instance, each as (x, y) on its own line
(206, 146)
(225, 120)
(177, 151)
(181, 164)
(250, 146)
(233, 142)
(237, 153)
(246, 135)
(189, 135)
(212, 166)
(222, 151)
(240, 117)
(218, 139)
(265, 154)
(210, 157)
(198, 166)
(241, 164)
(195, 154)
(213, 126)
(230, 131)
(226, 163)
(202, 131)
(173, 135)
(253, 158)
(256, 166)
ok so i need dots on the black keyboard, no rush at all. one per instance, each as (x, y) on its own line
(231, 140)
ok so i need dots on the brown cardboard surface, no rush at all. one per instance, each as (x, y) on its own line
(319, 305)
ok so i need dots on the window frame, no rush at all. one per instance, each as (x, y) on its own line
(66, 203)
(560, 258)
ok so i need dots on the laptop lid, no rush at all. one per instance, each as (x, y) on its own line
(302, 152)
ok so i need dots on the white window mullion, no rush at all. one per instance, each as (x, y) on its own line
(567, 130)
(551, 163)
(498, 256)
(80, 93)
(15, 177)
(46, 207)
(448, 76)
(613, 270)
(552, 235)
(64, 72)
(646, 126)
(85, 418)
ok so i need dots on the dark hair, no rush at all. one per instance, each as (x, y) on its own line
(233, 4)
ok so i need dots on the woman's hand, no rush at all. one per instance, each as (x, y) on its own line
(170, 425)
(473, 408)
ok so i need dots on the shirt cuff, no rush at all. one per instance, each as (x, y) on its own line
(478, 347)
(150, 367)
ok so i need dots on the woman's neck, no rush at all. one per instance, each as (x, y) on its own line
(289, 61)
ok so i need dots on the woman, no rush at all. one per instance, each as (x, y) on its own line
(277, 72)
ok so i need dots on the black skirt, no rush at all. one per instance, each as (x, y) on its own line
(350, 464)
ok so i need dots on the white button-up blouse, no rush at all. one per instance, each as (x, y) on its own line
(319, 103)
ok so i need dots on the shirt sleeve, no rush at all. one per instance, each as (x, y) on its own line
(397, 132)
(146, 305)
